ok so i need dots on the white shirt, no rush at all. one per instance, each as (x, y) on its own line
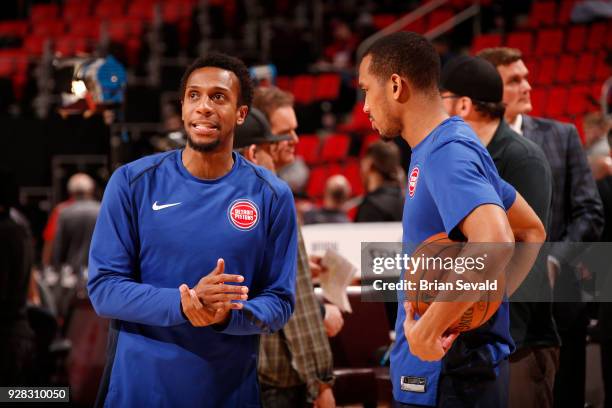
(517, 124)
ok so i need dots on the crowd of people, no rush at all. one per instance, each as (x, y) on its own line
(197, 255)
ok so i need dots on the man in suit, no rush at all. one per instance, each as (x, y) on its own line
(576, 216)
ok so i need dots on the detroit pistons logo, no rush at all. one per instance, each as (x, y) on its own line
(243, 214)
(412, 181)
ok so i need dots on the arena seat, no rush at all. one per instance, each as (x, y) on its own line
(335, 147)
(308, 148)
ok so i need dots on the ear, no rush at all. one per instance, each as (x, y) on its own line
(242, 114)
(250, 154)
(399, 88)
(465, 106)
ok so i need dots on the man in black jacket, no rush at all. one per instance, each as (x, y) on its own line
(576, 216)
(472, 89)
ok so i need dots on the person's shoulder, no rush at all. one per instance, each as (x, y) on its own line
(134, 170)
(548, 125)
(264, 176)
(518, 148)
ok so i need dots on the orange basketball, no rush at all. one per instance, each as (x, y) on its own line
(486, 303)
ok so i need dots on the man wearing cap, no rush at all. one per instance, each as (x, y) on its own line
(295, 364)
(473, 90)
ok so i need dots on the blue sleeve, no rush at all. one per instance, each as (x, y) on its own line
(508, 193)
(113, 288)
(459, 182)
(270, 310)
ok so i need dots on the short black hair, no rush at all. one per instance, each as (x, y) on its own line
(409, 55)
(228, 63)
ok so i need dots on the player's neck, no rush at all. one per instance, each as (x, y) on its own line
(421, 116)
(207, 165)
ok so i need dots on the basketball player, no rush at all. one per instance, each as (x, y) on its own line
(453, 188)
(176, 232)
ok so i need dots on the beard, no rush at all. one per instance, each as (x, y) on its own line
(202, 147)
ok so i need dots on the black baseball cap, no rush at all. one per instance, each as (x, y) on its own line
(255, 130)
(473, 77)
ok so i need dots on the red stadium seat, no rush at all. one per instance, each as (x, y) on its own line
(521, 40)
(34, 44)
(596, 91)
(578, 101)
(327, 87)
(15, 28)
(87, 27)
(539, 98)
(283, 82)
(43, 12)
(576, 38)
(585, 68)
(566, 68)
(335, 147)
(109, 9)
(602, 70)
(542, 14)
(565, 11)
(549, 42)
(143, 10)
(380, 21)
(334, 169)
(7, 67)
(367, 141)
(486, 41)
(76, 9)
(316, 181)
(303, 89)
(352, 172)
(417, 26)
(360, 122)
(308, 148)
(557, 102)
(438, 17)
(597, 36)
(546, 71)
(49, 28)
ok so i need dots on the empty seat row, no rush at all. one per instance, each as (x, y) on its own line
(551, 41)
(568, 69)
(311, 88)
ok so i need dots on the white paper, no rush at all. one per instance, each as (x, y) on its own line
(335, 280)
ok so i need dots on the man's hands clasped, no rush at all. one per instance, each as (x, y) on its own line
(212, 299)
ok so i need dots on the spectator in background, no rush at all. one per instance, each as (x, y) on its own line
(472, 89)
(16, 337)
(75, 226)
(295, 364)
(380, 173)
(576, 215)
(337, 192)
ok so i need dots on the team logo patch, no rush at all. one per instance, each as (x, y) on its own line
(412, 180)
(243, 214)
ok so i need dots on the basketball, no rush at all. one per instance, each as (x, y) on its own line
(440, 246)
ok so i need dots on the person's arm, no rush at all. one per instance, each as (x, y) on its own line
(305, 335)
(470, 206)
(113, 261)
(428, 337)
(270, 309)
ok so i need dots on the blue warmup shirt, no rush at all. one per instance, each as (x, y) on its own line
(160, 227)
(450, 174)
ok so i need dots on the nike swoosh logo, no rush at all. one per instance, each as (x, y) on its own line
(161, 207)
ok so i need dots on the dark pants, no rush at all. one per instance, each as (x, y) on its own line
(570, 378)
(606, 368)
(273, 397)
(532, 377)
(458, 391)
